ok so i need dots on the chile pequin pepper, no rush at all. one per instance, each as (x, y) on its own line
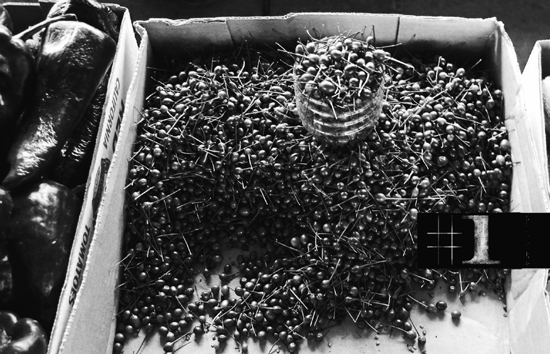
(42, 227)
(21, 335)
(73, 59)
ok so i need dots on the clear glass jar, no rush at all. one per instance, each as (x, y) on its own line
(336, 124)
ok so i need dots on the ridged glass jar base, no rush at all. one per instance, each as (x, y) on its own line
(339, 125)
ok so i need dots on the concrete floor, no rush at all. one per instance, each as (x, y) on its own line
(525, 21)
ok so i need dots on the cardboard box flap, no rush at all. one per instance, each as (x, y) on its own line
(525, 195)
(527, 159)
(532, 91)
(527, 299)
(536, 69)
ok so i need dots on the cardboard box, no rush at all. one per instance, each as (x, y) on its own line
(28, 14)
(484, 327)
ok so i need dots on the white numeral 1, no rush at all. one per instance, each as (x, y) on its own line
(481, 243)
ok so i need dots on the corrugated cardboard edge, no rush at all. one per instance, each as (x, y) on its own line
(95, 191)
(122, 156)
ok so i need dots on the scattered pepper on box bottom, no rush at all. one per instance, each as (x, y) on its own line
(221, 160)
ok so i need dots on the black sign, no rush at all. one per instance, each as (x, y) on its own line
(512, 240)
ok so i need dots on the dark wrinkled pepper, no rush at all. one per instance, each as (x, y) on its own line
(5, 19)
(21, 335)
(91, 12)
(6, 278)
(16, 73)
(71, 63)
(42, 227)
(72, 163)
(6, 206)
(16, 67)
(16, 77)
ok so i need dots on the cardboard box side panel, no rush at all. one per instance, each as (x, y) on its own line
(442, 36)
(538, 119)
(543, 64)
(532, 95)
(531, 336)
(201, 35)
(135, 105)
(533, 197)
(87, 234)
(101, 277)
(532, 92)
(197, 36)
(186, 38)
(526, 179)
(286, 30)
(528, 312)
(533, 152)
(520, 200)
